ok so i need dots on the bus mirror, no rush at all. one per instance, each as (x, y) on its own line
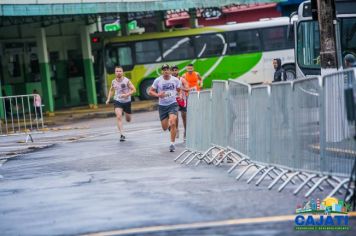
(290, 29)
(290, 32)
(314, 9)
(293, 15)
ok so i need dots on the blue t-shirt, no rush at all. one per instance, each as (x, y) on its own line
(169, 87)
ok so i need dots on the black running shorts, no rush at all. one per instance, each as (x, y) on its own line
(182, 109)
(126, 107)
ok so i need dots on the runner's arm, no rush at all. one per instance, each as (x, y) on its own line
(185, 86)
(200, 83)
(109, 95)
(153, 93)
(132, 87)
(132, 90)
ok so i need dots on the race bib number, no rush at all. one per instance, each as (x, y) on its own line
(169, 94)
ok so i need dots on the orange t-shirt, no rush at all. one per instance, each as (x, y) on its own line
(192, 80)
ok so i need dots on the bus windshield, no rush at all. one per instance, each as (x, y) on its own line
(308, 45)
(348, 36)
(308, 41)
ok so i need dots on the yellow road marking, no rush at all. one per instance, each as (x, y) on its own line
(198, 225)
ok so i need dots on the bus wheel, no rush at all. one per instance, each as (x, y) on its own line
(290, 72)
(145, 88)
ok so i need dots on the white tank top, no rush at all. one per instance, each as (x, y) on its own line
(121, 87)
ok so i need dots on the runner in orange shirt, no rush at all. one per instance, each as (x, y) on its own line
(193, 78)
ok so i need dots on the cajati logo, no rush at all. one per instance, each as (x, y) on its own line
(328, 214)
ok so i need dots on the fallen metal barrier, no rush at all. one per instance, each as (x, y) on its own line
(20, 116)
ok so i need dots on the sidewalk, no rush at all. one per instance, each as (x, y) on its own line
(67, 116)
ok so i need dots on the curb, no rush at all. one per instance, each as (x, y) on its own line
(92, 115)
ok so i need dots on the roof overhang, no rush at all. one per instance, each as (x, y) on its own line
(11, 8)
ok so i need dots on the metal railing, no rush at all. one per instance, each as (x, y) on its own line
(20, 116)
(292, 132)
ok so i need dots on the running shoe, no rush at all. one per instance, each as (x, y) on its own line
(172, 148)
(122, 138)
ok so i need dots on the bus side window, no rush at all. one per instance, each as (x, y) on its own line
(244, 41)
(148, 52)
(125, 57)
(209, 45)
(177, 48)
(275, 38)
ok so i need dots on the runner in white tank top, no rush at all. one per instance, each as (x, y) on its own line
(123, 90)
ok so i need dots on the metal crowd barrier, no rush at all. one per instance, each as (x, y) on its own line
(191, 132)
(199, 128)
(292, 132)
(238, 124)
(238, 116)
(207, 129)
(20, 116)
(217, 124)
(219, 115)
(338, 126)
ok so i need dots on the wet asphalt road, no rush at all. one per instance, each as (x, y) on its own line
(93, 183)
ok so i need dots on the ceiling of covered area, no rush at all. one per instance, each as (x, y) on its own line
(49, 12)
(75, 7)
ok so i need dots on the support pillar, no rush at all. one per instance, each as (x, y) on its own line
(47, 93)
(193, 18)
(326, 15)
(161, 25)
(88, 67)
(123, 22)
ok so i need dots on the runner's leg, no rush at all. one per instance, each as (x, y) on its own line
(173, 125)
(128, 117)
(127, 111)
(184, 118)
(118, 112)
(164, 124)
(177, 126)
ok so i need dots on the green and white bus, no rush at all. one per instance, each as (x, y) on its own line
(239, 51)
